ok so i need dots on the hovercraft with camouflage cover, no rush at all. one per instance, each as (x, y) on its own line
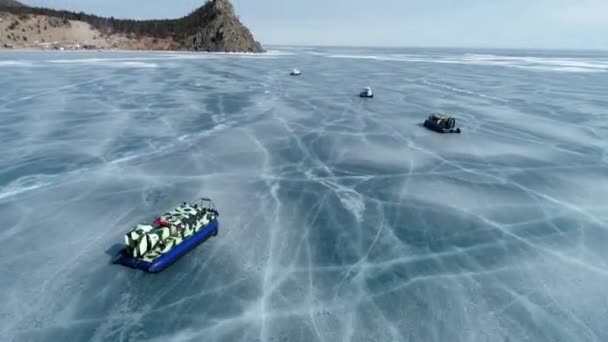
(441, 123)
(154, 247)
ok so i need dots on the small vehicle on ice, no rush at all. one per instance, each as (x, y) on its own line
(441, 123)
(154, 247)
(366, 92)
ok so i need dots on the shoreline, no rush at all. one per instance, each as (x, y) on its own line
(5, 50)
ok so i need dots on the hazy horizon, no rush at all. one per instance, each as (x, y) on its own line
(561, 25)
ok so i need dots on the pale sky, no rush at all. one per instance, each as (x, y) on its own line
(570, 24)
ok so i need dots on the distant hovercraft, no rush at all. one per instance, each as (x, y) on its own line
(441, 123)
(153, 248)
(366, 92)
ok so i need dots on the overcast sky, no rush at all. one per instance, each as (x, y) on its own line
(571, 24)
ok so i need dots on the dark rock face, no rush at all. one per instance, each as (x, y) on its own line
(223, 31)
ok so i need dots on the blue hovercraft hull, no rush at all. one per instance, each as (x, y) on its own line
(165, 260)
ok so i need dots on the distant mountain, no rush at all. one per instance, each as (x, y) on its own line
(212, 27)
(11, 3)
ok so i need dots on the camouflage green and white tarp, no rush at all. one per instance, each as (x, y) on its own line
(148, 243)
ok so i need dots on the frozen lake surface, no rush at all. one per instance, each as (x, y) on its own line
(341, 218)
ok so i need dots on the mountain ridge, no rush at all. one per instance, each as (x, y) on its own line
(212, 27)
(11, 3)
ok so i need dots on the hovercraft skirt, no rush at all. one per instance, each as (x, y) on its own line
(434, 127)
(171, 256)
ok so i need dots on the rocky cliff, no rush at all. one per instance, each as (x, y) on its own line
(212, 27)
(223, 30)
